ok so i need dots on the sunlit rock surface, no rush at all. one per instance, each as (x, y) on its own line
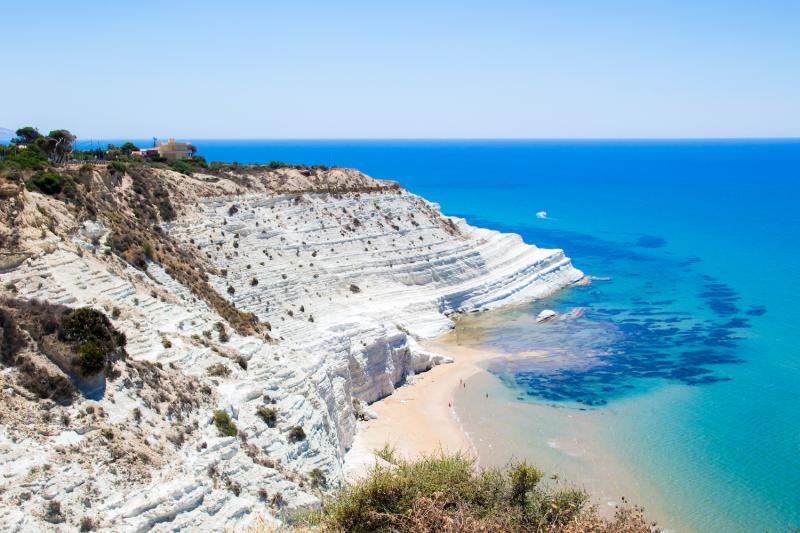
(347, 271)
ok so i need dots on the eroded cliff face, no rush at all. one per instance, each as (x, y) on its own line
(295, 291)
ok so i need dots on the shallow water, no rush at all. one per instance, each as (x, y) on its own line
(678, 384)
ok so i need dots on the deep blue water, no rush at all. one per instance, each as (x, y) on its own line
(700, 242)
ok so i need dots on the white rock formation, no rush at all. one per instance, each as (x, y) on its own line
(347, 282)
(545, 315)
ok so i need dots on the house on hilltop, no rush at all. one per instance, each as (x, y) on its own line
(171, 150)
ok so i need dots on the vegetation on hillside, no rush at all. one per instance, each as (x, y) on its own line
(51, 183)
(447, 493)
(98, 342)
(82, 342)
(91, 192)
(31, 150)
(224, 424)
(38, 163)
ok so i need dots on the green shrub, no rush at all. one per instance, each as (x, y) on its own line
(388, 453)
(147, 249)
(117, 168)
(198, 161)
(268, 415)
(224, 424)
(51, 183)
(12, 339)
(317, 478)
(31, 158)
(221, 331)
(128, 148)
(96, 338)
(434, 493)
(85, 323)
(524, 479)
(296, 434)
(183, 167)
(92, 356)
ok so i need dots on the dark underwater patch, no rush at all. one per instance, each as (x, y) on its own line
(756, 310)
(678, 326)
(648, 241)
(691, 260)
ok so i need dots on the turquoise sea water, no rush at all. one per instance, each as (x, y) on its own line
(690, 350)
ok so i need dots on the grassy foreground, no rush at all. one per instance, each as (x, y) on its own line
(447, 493)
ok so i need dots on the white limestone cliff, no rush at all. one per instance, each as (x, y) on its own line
(348, 281)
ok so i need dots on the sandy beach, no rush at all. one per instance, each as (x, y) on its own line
(419, 418)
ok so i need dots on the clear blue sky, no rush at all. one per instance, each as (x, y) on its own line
(301, 69)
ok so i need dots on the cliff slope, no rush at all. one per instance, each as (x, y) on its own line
(286, 298)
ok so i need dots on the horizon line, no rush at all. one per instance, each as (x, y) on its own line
(733, 138)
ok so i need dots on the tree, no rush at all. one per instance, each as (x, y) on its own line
(58, 145)
(31, 158)
(26, 135)
(128, 148)
(112, 152)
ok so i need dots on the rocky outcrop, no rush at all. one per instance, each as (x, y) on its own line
(343, 272)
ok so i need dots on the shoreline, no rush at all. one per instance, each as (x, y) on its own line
(419, 417)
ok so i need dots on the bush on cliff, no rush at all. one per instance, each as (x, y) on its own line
(51, 183)
(81, 340)
(297, 434)
(449, 493)
(117, 167)
(92, 356)
(98, 341)
(224, 424)
(268, 415)
(11, 338)
(183, 167)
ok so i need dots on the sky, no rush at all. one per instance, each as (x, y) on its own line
(403, 69)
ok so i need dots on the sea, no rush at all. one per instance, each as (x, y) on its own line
(673, 378)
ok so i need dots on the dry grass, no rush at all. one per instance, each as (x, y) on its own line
(447, 493)
(134, 215)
